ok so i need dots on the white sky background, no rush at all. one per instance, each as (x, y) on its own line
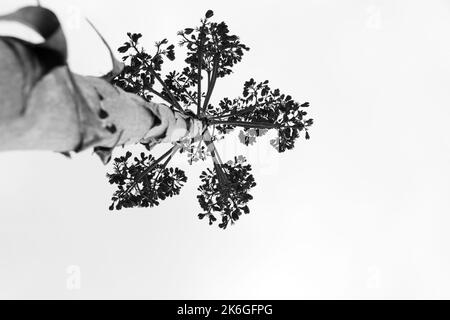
(359, 211)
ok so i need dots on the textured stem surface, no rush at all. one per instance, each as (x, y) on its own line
(68, 112)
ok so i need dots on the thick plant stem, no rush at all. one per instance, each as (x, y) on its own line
(50, 116)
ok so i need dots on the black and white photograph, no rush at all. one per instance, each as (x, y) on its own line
(224, 151)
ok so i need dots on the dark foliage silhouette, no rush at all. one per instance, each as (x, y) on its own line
(212, 52)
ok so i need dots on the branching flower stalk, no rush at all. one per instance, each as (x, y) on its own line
(117, 109)
(211, 49)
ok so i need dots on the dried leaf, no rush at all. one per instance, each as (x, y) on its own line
(117, 66)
